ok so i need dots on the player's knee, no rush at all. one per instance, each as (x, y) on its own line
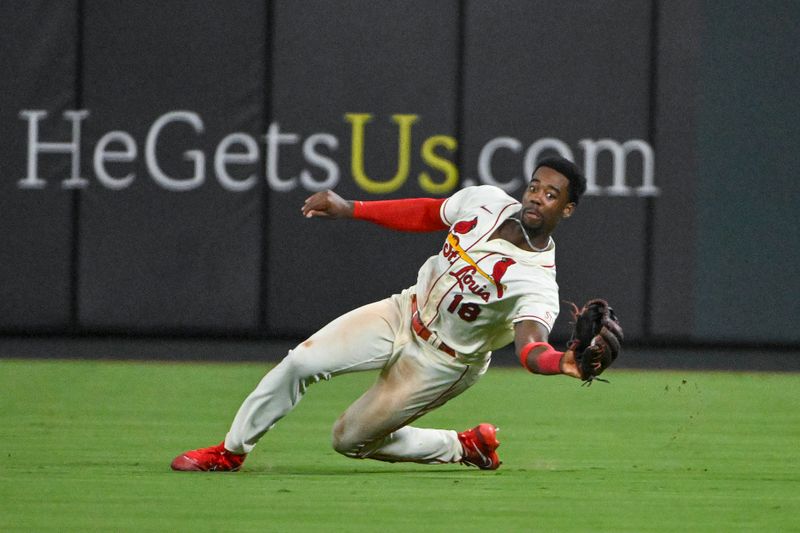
(344, 441)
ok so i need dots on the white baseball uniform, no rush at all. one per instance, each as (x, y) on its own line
(467, 299)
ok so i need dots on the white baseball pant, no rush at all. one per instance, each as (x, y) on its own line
(414, 379)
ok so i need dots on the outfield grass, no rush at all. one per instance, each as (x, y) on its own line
(86, 446)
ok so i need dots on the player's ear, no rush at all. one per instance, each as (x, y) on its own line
(568, 210)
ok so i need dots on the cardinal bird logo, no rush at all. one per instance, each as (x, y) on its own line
(465, 226)
(499, 271)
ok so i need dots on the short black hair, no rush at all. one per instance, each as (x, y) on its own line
(562, 165)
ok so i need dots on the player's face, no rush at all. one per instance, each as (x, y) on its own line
(546, 201)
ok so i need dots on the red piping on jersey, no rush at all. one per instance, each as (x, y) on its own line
(491, 229)
(534, 317)
(438, 305)
(442, 210)
(494, 225)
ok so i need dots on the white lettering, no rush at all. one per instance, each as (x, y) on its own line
(102, 154)
(222, 157)
(619, 153)
(326, 163)
(274, 139)
(35, 147)
(534, 150)
(485, 162)
(321, 171)
(195, 156)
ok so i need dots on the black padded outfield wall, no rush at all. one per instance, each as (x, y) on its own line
(38, 58)
(154, 155)
(366, 103)
(569, 78)
(175, 96)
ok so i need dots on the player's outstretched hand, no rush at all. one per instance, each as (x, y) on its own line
(327, 204)
(569, 365)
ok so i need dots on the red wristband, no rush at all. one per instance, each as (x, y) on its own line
(548, 362)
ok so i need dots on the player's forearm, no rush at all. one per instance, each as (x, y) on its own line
(542, 358)
(410, 214)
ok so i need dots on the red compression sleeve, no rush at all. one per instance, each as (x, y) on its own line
(548, 362)
(408, 214)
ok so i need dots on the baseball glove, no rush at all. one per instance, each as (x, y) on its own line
(596, 338)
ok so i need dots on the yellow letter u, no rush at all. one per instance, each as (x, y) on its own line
(358, 120)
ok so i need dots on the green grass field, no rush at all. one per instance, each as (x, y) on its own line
(86, 446)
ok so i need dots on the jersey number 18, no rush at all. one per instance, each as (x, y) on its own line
(467, 311)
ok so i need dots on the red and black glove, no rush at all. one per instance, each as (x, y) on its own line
(596, 338)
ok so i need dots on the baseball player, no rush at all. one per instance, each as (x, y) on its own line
(492, 282)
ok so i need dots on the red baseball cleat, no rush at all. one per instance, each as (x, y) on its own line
(212, 459)
(479, 445)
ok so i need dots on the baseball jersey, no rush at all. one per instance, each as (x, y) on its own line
(473, 291)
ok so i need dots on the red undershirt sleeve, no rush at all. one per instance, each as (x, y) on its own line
(408, 214)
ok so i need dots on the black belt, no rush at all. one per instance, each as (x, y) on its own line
(423, 332)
